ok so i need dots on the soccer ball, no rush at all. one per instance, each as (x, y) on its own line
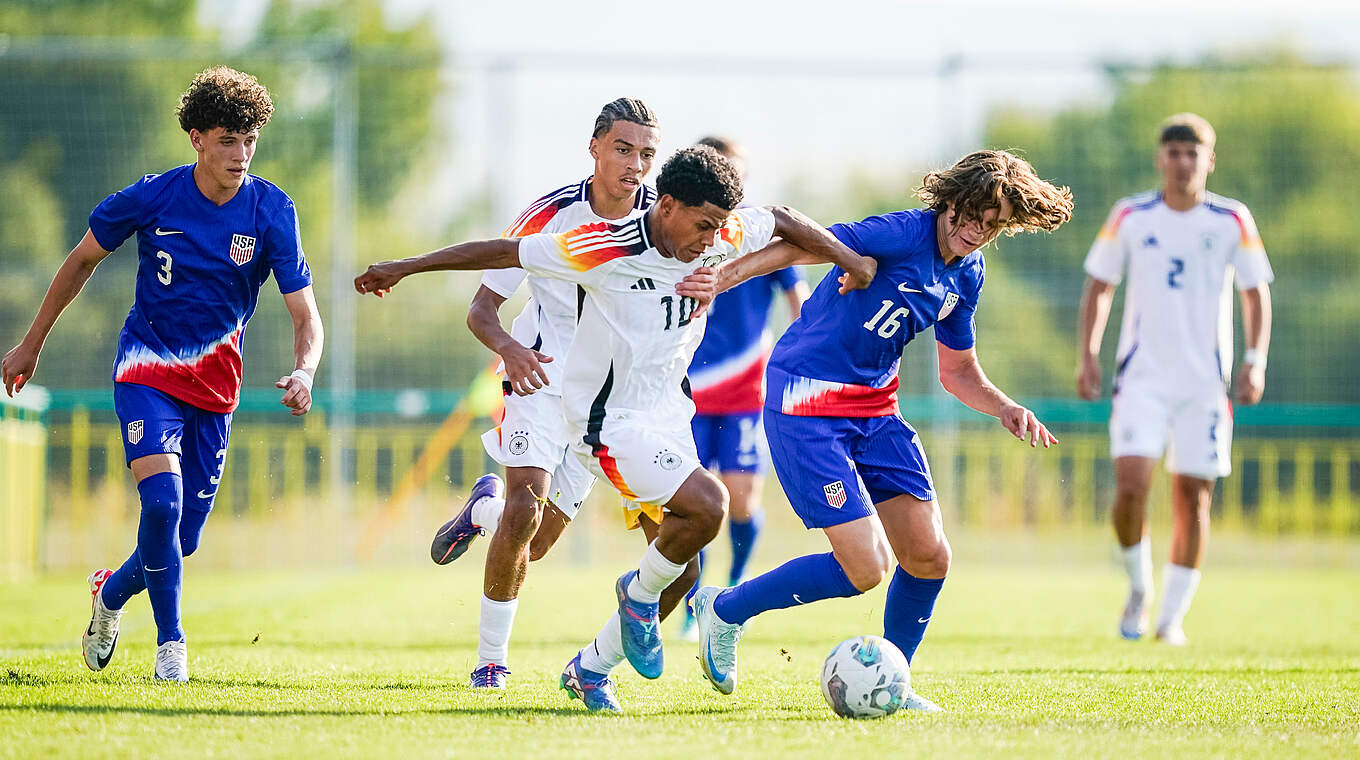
(866, 677)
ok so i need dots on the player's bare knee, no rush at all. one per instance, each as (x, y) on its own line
(867, 569)
(935, 564)
(521, 516)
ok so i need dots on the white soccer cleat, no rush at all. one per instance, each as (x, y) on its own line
(1172, 636)
(101, 635)
(172, 661)
(1134, 622)
(915, 701)
(717, 642)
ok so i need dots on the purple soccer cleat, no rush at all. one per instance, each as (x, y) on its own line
(454, 538)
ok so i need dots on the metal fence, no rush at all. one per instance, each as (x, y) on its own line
(275, 497)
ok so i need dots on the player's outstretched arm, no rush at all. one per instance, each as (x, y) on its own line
(21, 361)
(1256, 319)
(792, 226)
(308, 338)
(523, 365)
(498, 253)
(961, 374)
(1096, 297)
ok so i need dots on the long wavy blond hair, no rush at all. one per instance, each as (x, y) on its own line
(979, 181)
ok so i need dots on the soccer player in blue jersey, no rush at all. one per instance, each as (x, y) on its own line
(208, 236)
(848, 462)
(727, 378)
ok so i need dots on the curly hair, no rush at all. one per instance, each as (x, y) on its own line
(981, 179)
(223, 97)
(623, 109)
(698, 175)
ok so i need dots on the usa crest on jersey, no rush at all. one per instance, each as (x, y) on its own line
(950, 301)
(835, 494)
(242, 249)
(134, 431)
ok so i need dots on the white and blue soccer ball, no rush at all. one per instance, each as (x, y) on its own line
(866, 677)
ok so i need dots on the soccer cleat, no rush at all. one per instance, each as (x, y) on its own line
(454, 538)
(717, 642)
(1173, 636)
(172, 661)
(640, 629)
(1134, 622)
(915, 701)
(101, 636)
(490, 676)
(594, 689)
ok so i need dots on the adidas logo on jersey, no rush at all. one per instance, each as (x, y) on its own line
(643, 284)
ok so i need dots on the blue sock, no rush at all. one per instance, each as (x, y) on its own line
(805, 579)
(689, 597)
(125, 583)
(911, 602)
(130, 580)
(743, 536)
(158, 545)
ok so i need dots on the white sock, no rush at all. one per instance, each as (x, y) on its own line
(655, 573)
(1138, 565)
(486, 514)
(1180, 583)
(606, 652)
(493, 631)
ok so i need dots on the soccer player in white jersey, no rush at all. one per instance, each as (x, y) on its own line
(624, 384)
(531, 441)
(1181, 248)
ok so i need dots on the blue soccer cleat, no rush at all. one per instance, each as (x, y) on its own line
(640, 629)
(454, 538)
(490, 676)
(594, 689)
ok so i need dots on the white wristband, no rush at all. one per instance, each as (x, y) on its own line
(1254, 356)
(304, 377)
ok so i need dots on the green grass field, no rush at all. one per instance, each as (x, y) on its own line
(373, 663)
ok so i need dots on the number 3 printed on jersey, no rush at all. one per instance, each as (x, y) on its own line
(166, 261)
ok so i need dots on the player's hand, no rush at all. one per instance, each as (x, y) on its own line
(1024, 425)
(1088, 378)
(379, 278)
(858, 274)
(296, 395)
(18, 366)
(702, 286)
(1251, 383)
(524, 368)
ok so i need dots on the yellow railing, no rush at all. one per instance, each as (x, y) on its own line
(275, 475)
(23, 485)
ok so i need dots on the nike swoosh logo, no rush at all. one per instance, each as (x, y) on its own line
(796, 599)
(156, 569)
(206, 495)
(905, 288)
(162, 232)
(923, 620)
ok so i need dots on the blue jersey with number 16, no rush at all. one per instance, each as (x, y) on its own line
(839, 359)
(199, 271)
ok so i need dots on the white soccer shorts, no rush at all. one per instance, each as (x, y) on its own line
(645, 465)
(1198, 430)
(534, 434)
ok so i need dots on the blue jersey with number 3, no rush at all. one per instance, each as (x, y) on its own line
(199, 271)
(840, 358)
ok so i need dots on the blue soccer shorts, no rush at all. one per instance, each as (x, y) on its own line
(154, 422)
(730, 442)
(835, 469)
